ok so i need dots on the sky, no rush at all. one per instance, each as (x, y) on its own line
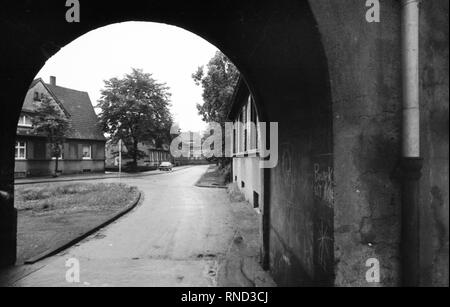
(169, 53)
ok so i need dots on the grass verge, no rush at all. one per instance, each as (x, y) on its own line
(213, 178)
(54, 214)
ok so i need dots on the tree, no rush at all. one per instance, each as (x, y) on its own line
(136, 109)
(51, 122)
(218, 84)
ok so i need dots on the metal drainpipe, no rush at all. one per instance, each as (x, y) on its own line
(411, 162)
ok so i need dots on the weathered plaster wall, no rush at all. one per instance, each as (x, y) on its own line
(364, 65)
(247, 170)
(366, 88)
(434, 101)
(301, 208)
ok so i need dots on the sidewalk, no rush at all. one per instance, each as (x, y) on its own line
(242, 265)
(212, 178)
(79, 177)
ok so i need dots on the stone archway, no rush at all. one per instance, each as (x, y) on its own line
(276, 46)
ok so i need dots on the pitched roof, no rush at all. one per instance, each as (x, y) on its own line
(82, 115)
(77, 105)
(238, 99)
(30, 106)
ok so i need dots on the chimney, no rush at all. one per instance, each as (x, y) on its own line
(53, 80)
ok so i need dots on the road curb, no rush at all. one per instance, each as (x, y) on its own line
(95, 178)
(211, 186)
(57, 249)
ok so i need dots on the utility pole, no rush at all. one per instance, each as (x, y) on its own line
(120, 157)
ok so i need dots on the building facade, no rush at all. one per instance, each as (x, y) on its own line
(84, 148)
(153, 156)
(192, 149)
(246, 172)
(296, 217)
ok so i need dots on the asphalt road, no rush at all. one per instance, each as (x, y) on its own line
(177, 236)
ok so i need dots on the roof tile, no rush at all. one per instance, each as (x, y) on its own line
(82, 115)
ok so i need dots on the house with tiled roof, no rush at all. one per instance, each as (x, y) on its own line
(84, 149)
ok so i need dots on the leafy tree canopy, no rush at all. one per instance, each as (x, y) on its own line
(49, 120)
(136, 109)
(218, 82)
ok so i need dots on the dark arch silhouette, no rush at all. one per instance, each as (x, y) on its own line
(277, 47)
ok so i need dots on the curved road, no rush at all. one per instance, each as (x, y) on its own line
(176, 236)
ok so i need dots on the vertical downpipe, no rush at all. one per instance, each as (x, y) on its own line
(411, 162)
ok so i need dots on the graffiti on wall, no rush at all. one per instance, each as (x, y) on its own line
(323, 184)
(325, 248)
(323, 189)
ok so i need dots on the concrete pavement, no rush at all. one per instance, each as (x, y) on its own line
(179, 235)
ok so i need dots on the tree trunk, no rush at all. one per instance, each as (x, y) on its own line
(135, 153)
(56, 167)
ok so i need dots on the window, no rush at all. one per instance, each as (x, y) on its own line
(36, 96)
(245, 132)
(234, 142)
(253, 126)
(255, 200)
(87, 152)
(240, 132)
(21, 151)
(24, 121)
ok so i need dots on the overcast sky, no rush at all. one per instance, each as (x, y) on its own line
(170, 53)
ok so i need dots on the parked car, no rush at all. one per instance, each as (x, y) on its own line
(165, 166)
